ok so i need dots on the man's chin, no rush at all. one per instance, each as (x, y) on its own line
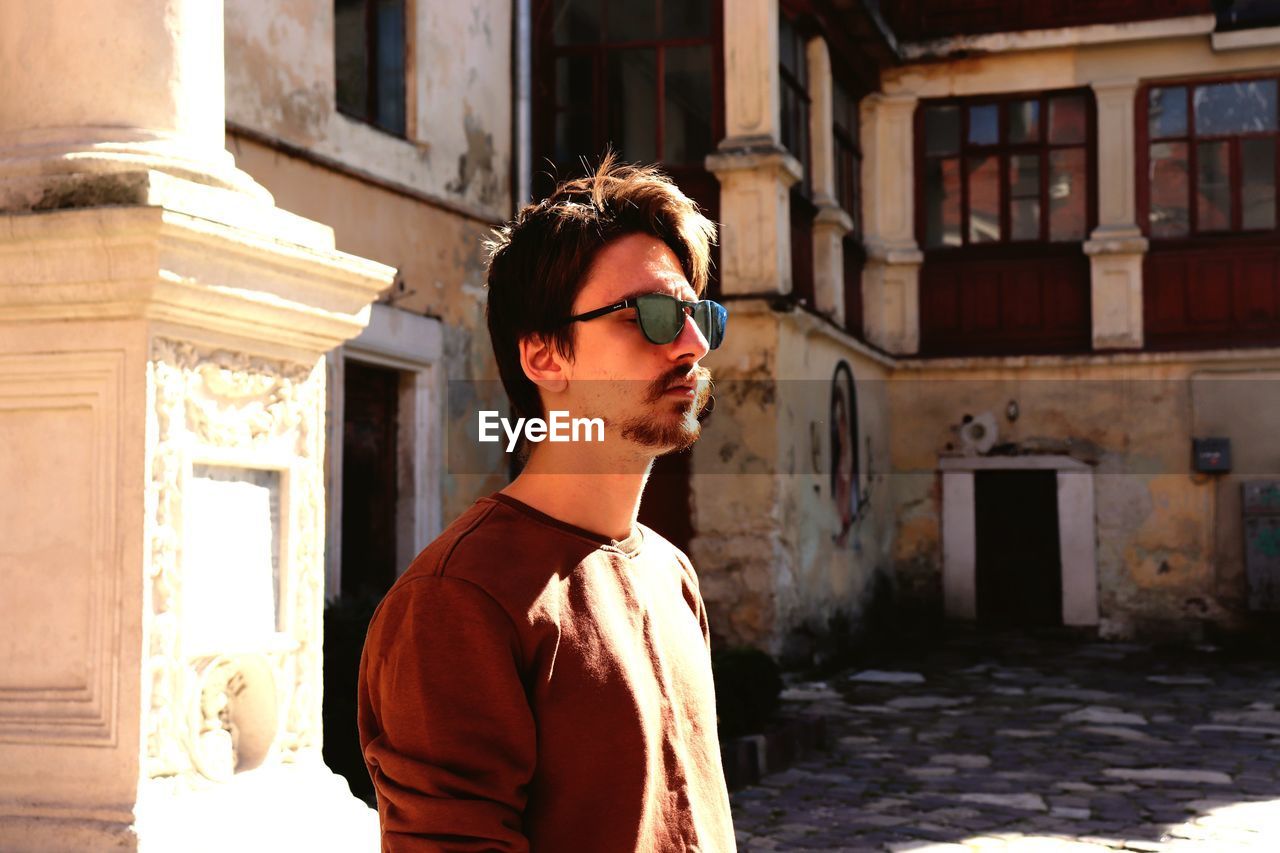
(669, 432)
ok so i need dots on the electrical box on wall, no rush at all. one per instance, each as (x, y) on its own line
(1211, 455)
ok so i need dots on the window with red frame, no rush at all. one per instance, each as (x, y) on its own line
(848, 169)
(793, 69)
(1211, 158)
(848, 154)
(793, 78)
(1008, 170)
(637, 76)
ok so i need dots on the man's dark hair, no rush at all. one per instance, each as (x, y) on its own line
(539, 261)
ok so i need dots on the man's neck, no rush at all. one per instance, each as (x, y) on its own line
(605, 503)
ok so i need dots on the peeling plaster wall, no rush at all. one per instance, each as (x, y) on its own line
(770, 571)
(280, 82)
(441, 261)
(1168, 550)
(828, 580)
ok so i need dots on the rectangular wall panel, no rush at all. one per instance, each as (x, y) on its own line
(60, 431)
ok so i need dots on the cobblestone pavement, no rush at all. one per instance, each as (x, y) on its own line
(1023, 745)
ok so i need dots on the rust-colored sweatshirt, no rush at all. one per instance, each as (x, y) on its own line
(528, 685)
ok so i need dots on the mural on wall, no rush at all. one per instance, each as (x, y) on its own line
(846, 490)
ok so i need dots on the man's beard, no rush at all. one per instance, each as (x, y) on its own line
(660, 430)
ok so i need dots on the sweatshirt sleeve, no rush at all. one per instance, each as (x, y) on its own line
(445, 724)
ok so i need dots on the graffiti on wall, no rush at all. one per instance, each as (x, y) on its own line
(846, 466)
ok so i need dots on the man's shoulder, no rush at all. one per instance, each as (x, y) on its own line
(500, 550)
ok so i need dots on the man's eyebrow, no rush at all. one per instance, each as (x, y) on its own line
(645, 291)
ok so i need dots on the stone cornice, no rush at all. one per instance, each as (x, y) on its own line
(154, 263)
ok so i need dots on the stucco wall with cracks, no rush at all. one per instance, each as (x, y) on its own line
(777, 579)
(280, 83)
(1169, 540)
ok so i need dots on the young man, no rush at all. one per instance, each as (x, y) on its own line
(540, 677)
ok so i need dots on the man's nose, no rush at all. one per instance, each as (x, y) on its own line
(690, 341)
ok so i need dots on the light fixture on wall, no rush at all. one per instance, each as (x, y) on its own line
(1011, 411)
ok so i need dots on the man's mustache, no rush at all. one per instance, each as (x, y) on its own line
(677, 376)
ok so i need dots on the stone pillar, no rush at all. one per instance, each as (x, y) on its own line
(113, 88)
(891, 277)
(755, 171)
(162, 384)
(1116, 247)
(831, 223)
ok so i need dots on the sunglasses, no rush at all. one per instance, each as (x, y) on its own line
(661, 317)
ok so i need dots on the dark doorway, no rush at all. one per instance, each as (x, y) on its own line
(665, 506)
(371, 398)
(370, 406)
(1019, 566)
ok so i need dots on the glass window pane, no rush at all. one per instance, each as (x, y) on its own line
(1024, 219)
(794, 129)
(848, 164)
(788, 52)
(389, 17)
(942, 203)
(1167, 112)
(687, 111)
(984, 125)
(1024, 175)
(1235, 107)
(1258, 183)
(1169, 190)
(984, 199)
(573, 137)
(633, 104)
(576, 21)
(1024, 121)
(941, 130)
(686, 18)
(1024, 197)
(350, 59)
(1213, 186)
(1067, 120)
(628, 20)
(845, 112)
(575, 83)
(1068, 186)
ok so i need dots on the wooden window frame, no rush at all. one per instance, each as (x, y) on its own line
(1003, 150)
(1194, 236)
(546, 53)
(847, 159)
(796, 82)
(847, 151)
(370, 116)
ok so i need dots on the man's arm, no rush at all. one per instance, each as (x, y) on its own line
(445, 724)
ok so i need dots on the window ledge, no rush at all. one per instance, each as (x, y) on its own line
(1191, 25)
(1244, 39)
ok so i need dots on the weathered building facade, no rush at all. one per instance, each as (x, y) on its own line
(993, 268)
(1094, 287)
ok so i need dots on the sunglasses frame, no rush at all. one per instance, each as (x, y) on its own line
(715, 310)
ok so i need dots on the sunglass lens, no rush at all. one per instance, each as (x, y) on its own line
(661, 317)
(710, 317)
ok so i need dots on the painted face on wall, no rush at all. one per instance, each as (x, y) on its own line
(648, 394)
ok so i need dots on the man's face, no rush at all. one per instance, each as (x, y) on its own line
(648, 394)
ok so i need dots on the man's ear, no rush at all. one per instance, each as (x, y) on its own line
(543, 364)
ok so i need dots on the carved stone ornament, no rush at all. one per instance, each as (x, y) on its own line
(218, 404)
